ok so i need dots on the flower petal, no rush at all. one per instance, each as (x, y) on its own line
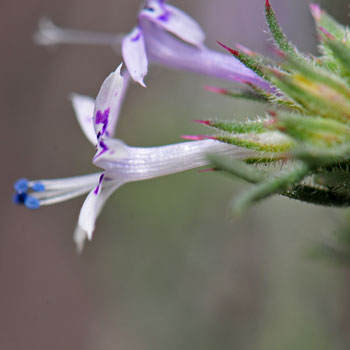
(91, 208)
(134, 55)
(79, 238)
(174, 21)
(113, 122)
(84, 111)
(108, 103)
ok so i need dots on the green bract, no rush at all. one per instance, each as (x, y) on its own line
(308, 122)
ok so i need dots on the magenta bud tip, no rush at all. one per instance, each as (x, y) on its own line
(316, 11)
(216, 89)
(326, 33)
(234, 52)
(205, 122)
(193, 137)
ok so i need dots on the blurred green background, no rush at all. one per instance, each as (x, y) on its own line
(168, 267)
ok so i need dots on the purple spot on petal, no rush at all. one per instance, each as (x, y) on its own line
(165, 16)
(104, 148)
(102, 118)
(104, 128)
(136, 37)
(99, 184)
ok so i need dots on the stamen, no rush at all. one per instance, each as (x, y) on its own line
(70, 182)
(32, 202)
(194, 137)
(34, 194)
(64, 196)
(38, 187)
(19, 198)
(21, 185)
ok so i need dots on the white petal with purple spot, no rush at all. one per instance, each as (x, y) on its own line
(107, 103)
(91, 208)
(134, 55)
(174, 21)
(113, 122)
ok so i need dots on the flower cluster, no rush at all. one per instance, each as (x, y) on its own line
(164, 35)
(307, 122)
(309, 106)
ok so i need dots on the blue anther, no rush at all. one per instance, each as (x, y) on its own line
(21, 185)
(19, 198)
(38, 187)
(32, 202)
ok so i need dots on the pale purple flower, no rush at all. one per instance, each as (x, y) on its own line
(168, 36)
(164, 35)
(120, 163)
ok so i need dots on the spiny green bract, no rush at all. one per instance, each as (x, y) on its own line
(309, 122)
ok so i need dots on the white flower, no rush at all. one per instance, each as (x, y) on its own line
(120, 163)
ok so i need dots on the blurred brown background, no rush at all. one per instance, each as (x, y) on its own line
(168, 268)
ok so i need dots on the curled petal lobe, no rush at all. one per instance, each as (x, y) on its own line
(174, 21)
(91, 208)
(84, 111)
(185, 27)
(108, 103)
(134, 55)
